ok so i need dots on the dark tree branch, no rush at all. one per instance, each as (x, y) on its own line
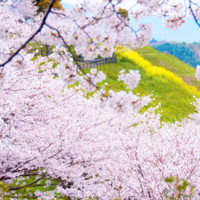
(38, 30)
(59, 14)
(24, 186)
(75, 59)
(24, 197)
(193, 14)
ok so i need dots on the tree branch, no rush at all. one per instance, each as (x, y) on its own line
(193, 14)
(75, 59)
(24, 186)
(38, 30)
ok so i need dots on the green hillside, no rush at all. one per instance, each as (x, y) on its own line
(168, 79)
(164, 83)
(171, 63)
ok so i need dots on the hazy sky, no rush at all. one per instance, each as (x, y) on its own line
(190, 32)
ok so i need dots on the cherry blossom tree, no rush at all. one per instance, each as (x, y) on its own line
(93, 148)
(93, 28)
(197, 74)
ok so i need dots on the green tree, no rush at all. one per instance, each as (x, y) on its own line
(42, 5)
(123, 13)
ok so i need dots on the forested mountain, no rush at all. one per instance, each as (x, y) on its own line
(188, 53)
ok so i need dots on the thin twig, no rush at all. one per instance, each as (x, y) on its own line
(75, 59)
(38, 30)
(24, 186)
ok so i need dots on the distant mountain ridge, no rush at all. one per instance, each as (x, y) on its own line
(188, 53)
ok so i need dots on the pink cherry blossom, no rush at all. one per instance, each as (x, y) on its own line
(100, 148)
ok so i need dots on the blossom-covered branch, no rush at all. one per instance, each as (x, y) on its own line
(30, 38)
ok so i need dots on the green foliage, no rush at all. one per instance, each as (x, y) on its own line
(42, 50)
(54, 65)
(169, 180)
(123, 13)
(72, 49)
(179, 189)
(56, 76)
(42, 5)
(24, 187)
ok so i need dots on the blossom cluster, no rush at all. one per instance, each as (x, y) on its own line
(104, 151)
(131, 79)
(197, 74)
(92, 28)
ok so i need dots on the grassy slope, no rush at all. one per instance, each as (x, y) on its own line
(171, 63)
(168, 89)
(174, 96)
